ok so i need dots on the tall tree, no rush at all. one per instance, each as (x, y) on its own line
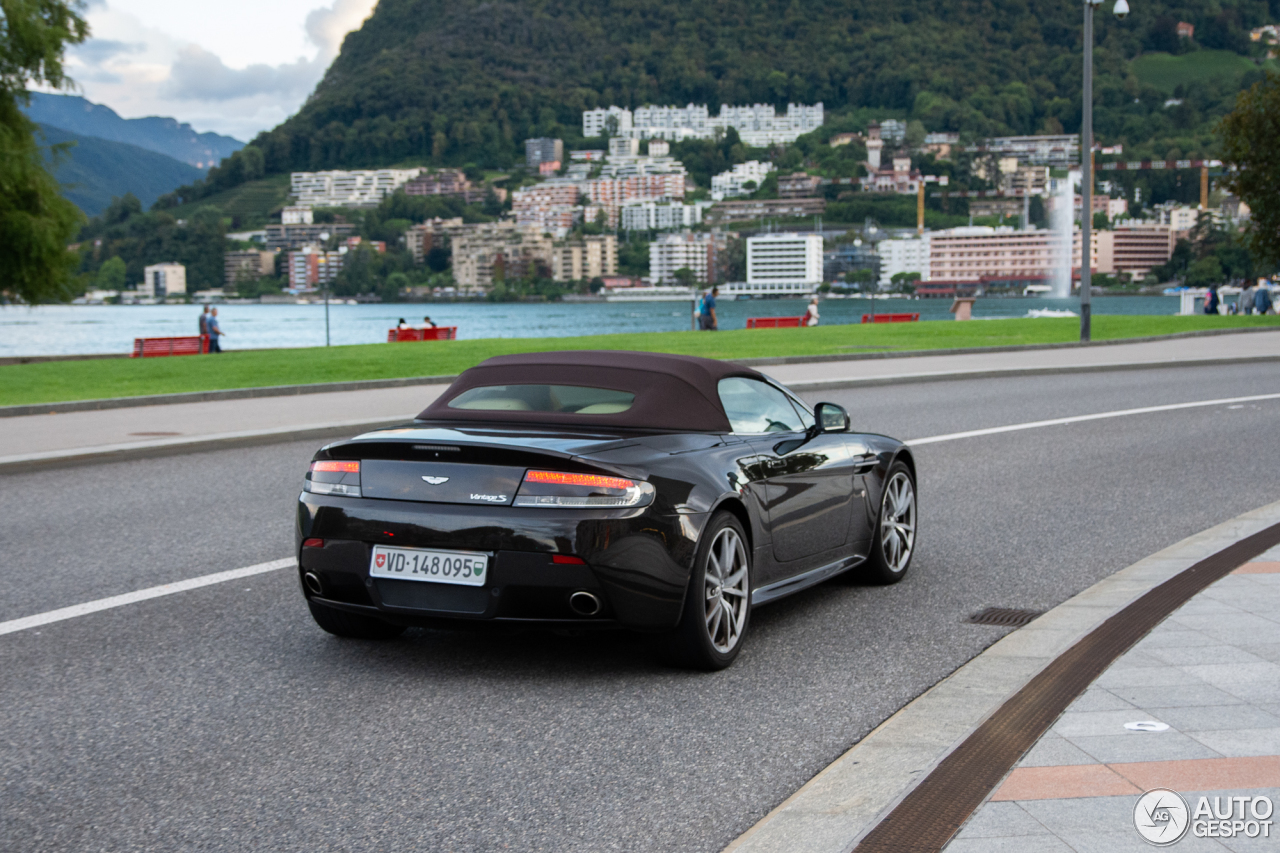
(1250, 135)
(36, 222)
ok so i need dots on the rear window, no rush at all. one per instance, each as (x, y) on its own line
(570, 399)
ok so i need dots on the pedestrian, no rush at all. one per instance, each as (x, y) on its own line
(1262, 303)
(402, 324)
(427, 324)
(215, 331)
(1244, 302)
(1211, 300)
(708, 314)
(811, 315)
(204, 321)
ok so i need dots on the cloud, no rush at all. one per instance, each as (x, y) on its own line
(98, 51)
(326, 28)
(199, 75)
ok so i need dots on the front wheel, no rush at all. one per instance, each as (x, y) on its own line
(894, 540)
(717, 607)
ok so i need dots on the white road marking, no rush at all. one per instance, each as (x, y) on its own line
(140, 595)
(234, 574)
(1075, 419)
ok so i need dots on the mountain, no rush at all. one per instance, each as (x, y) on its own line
(96, 170)
(465, 81)
(162, 135)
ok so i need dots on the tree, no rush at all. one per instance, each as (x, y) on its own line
(1249, 135)
(111, 275)
(685, 277)
(905, 282)
(1204, 272)
(36, 222)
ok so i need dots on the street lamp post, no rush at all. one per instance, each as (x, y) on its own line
(1086, 167)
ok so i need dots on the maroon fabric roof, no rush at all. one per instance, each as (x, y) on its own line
(673, 392)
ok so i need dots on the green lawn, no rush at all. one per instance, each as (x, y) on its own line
(49, 382)
(1166, 72)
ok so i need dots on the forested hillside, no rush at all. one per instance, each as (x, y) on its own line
(465, 81)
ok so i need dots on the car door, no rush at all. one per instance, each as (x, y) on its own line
(808, 478)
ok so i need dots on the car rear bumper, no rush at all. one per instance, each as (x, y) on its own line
(635, 564)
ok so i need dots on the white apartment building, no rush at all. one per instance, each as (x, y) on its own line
(347, 188)
(585, 259)
(596, 122)
(785, 262)
(661, 216)
(296, 216)
(899, 256)
(625, 166)
(691, 250)
(730, 184)
(161, 280)
(1178, 218)
(1062, 150)
(610, 194)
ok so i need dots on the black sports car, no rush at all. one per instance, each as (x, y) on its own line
(658, 493)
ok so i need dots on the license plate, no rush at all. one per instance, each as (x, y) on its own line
(466, 568)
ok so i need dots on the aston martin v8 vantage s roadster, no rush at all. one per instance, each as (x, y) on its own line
(657, 493)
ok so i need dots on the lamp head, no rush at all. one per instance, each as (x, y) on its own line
(1122, 9)
(1093, 4)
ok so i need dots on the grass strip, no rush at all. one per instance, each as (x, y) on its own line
(49, 382)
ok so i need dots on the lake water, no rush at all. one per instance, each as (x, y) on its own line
(79, 329)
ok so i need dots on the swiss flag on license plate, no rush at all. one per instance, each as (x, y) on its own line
(380, 559)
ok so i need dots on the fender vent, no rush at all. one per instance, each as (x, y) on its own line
(1003, 617)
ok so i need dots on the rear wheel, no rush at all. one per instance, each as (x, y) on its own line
(894, 541)
(353, 625)
(717, 607)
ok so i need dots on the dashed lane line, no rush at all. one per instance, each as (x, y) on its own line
(114, 601)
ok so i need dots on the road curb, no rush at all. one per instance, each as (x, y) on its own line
(846, 800)
(365, 384)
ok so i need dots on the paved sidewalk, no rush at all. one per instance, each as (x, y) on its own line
(143, 425)
(1209, 678)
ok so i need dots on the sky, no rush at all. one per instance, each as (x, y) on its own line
(234, 67)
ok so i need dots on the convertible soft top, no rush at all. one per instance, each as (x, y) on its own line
(672, 392)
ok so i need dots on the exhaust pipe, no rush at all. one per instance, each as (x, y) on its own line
(312, 582)
(584, 603)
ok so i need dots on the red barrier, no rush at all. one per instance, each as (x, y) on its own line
(156, 347)
(890, 318)
(439, 333)
(774, 322)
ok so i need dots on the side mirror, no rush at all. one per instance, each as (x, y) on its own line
(831, 418)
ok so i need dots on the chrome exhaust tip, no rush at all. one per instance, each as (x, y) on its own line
(312, 582)
(584, 603)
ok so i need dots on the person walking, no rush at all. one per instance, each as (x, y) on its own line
(215, 331)
(707, 318)
(204, 321)
(1211, 300)
(1244, 302)
(811, 315)
(1262, 303)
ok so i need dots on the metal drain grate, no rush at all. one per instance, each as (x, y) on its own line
(1003, 617)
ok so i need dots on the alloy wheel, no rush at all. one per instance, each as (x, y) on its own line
(898, 522)
(726, 588)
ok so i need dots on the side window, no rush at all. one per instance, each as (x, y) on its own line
(754, 407)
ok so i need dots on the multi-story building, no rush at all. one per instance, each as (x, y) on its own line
(163, 280)
(899, 256)
(552, 206)
(791, 262)
(296, 215)
(246, 266)
(970, 254)
(499, 250)
(543, 150)
(898, 178)
(584, 259)
(622, 146)
(661, 216)
(1130, 247)
(1179, 218)
(798, 185)
(613, 121)
(850, 257)
(610, 194)
(941, 144)
(893, 131)
(696, 251)
(1061, 151)
(313, 268)
(452, 183)
(732, 183)
(289, 237)
(362, 188)
(768, 208)
(425, 236)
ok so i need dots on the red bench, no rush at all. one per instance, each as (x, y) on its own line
(774, 322)
(439, 333)
(890, 318)
(155, 347)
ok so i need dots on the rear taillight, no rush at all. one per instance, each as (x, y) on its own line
(334, 477)
(562, 489)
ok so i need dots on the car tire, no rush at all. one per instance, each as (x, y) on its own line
(893, 540)
(717, 606)
(353, 625)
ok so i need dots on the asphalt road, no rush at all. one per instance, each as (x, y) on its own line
(223, 719)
